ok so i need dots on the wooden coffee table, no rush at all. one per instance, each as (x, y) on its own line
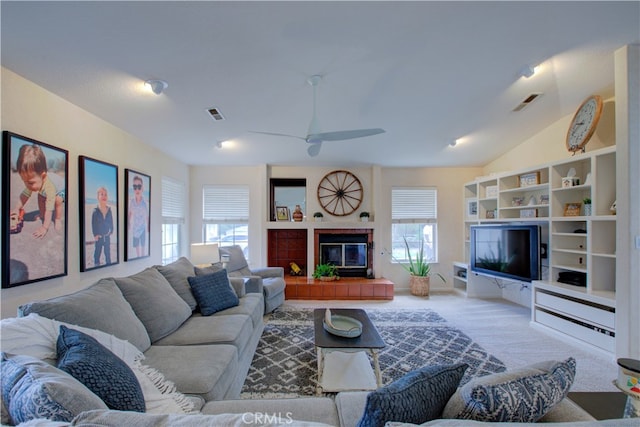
(343, 363)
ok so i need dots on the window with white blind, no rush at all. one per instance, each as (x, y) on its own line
(173, 214)
(414, 216)
(225, 215)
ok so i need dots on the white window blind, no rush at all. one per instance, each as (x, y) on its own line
(414, 204)
(172, 201)
(225, 204)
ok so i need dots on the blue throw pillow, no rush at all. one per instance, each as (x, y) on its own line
(213, 292)
(418, 397)
(32, 389)
(99, 370)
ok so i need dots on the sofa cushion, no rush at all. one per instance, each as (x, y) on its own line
(519, 395)
(417, 397)
(204, 370)
(34, 389)
(213, 292)
(313, 409)
(110, 418)
(100, 370)
(176, 274)
(233, 329)
(251, 305)
(100, 306)
(155, 302)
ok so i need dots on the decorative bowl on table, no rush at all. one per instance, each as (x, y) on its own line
(342, 326)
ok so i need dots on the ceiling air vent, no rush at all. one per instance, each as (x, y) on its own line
(216, 114)
(528, 100)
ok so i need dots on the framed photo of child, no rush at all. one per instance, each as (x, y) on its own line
(34, 188)
(99, 246)
(138, 207)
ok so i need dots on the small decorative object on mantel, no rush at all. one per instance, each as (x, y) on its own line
(614, 207)
(318, 216)
(528, 213)
(587, 206)
(364, 216)
(297, 214)
(572, 209)
(517, 201)
(544, 199)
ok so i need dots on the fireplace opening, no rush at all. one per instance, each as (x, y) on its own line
(350, 252)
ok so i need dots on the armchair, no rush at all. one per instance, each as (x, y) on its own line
(269, 279)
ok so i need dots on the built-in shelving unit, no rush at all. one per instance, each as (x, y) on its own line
(581, 245)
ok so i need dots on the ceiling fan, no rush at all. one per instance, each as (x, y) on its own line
(315, 137)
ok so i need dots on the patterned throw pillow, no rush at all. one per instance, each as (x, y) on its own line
(31, 389)
(213, 292)
(418, 397)
(521, 395)
(100, 370)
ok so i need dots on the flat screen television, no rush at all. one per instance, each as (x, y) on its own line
(511, 251)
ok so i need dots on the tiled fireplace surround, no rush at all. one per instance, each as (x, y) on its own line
(290, 245)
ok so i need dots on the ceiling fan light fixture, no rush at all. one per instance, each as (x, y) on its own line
(156, 86)
(453, 143)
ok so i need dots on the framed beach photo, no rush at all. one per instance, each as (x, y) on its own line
(34, 188)
(137, 188)
(99, 246)
(282, 213)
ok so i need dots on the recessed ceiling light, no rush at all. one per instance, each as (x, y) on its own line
(156, 86)
(528, 71)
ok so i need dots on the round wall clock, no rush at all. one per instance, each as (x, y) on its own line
(584, 124)
(340, 193)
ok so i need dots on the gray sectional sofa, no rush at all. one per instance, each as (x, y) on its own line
(206, 357)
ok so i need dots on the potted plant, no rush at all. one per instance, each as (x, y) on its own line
(364, 216)
(326, 272)
(419, 271)
(318, 216)
(587, 206)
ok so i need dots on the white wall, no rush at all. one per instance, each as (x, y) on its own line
(29, 110)
(377, 183)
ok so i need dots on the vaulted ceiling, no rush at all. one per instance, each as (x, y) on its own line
(427, 72)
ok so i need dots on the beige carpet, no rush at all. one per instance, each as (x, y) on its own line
(502, 329)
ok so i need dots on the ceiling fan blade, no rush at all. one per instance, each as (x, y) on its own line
(344, 134)
(278, 134)
(314, 149)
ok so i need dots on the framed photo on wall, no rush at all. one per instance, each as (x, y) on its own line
(34, 188)
(99, 246)
(137, 188)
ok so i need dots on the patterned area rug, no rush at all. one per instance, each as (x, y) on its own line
(285, 363)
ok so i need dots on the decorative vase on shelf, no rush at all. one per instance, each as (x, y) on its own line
(297, 214)
(587, 210)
